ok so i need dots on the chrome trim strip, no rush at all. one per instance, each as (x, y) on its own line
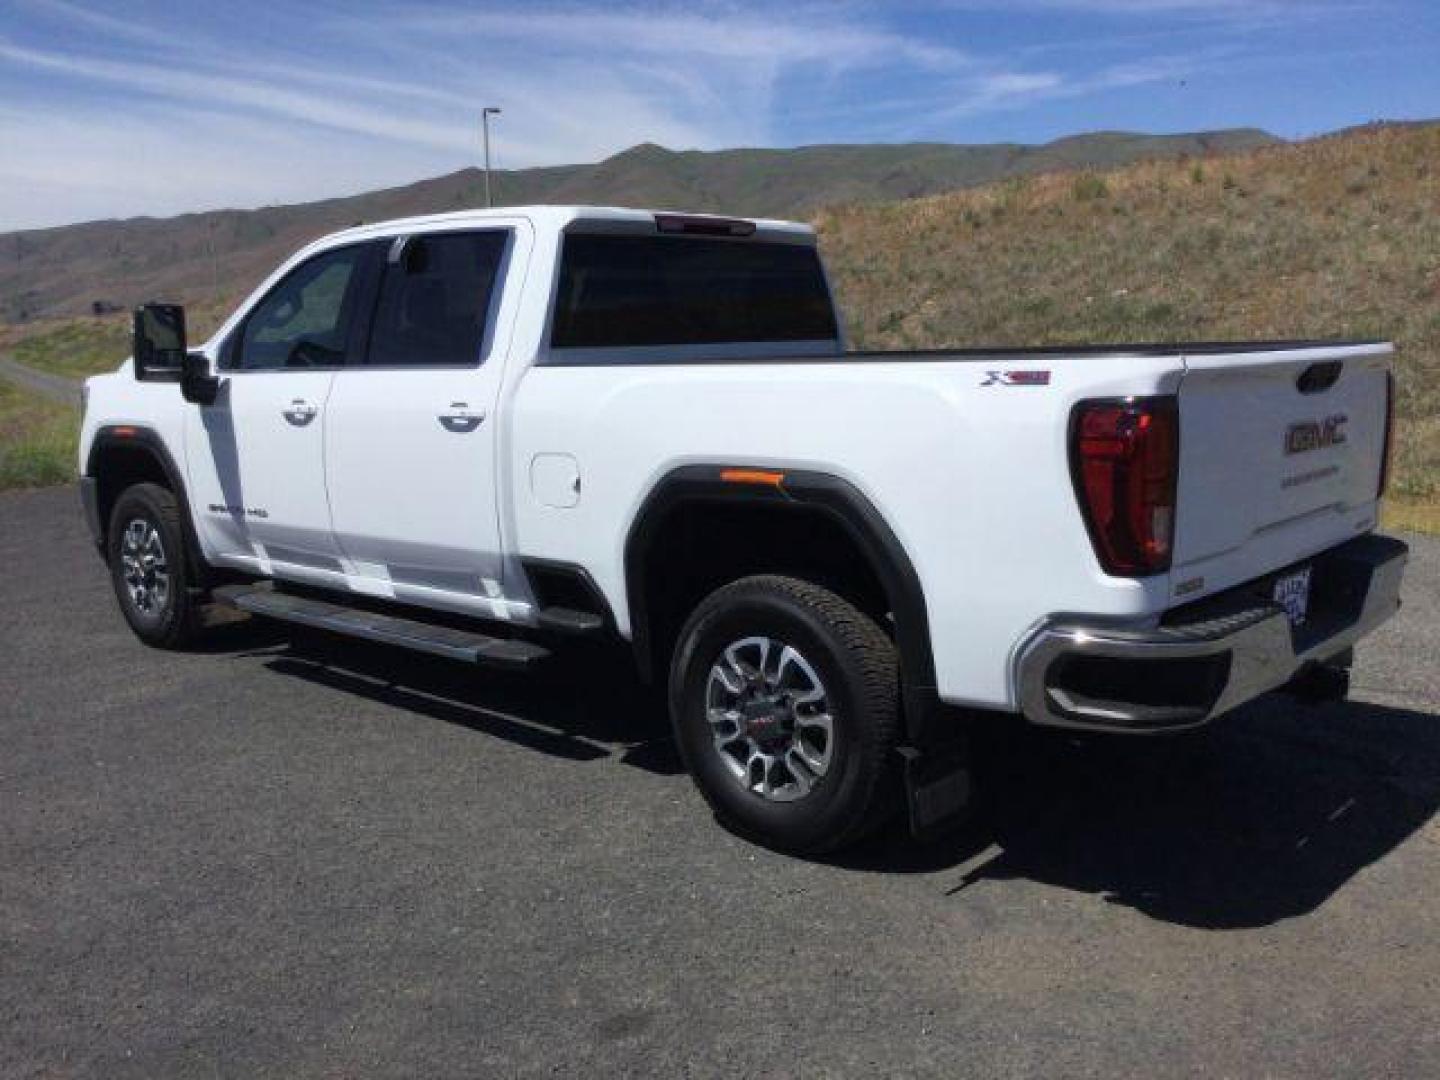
(1262, 656)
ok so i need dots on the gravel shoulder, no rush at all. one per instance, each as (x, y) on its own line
(55, 387)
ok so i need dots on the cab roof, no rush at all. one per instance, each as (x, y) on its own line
(606, 219)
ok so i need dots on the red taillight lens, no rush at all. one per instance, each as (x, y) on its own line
(1125, 457)
(1389, 435)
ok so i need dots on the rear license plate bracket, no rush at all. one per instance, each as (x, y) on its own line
(1292, 592)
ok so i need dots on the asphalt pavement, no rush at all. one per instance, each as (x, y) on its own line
(302, 857)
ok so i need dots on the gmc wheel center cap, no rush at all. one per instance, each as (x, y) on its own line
(767, 718)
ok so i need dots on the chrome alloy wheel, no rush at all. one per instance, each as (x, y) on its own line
(770, 718)
(146, 573)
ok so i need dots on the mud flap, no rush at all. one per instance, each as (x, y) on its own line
(938, 788)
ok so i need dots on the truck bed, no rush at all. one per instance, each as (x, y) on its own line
(1118, 349)
(970, 353)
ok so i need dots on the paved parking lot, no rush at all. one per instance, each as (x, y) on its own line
(306, 857)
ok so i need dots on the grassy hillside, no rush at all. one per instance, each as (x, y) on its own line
(1339, 236)
(79, 347)
(37, 439)
(64, 272)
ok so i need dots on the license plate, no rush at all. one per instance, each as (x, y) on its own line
(1292, 592)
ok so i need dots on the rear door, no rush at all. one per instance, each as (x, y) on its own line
(256, 456)
(410, 435)
(1280, 456)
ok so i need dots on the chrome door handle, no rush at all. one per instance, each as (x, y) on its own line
(300, 412)
(461, 418)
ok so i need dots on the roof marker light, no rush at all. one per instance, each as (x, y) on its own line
(703, 226)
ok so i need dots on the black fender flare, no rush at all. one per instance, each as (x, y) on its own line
(133, 438)
(838, 499)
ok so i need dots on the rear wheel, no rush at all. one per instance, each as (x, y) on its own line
(784, 701)
(150, 569)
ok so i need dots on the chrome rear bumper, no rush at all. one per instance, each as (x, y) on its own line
(1207, 658)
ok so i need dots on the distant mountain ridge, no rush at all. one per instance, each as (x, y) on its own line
(76, 268)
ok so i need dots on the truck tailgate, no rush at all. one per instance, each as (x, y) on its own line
(1280, 457)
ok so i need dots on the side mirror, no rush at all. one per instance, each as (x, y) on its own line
(197, 385)
(159, 344)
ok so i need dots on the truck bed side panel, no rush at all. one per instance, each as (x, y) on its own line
(971, 473)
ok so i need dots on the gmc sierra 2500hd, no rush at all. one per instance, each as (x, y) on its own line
(474, 434)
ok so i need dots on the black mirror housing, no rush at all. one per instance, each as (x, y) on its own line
(197, 385)
(159, 342)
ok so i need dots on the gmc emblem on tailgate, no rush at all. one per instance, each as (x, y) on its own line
(1315, 434)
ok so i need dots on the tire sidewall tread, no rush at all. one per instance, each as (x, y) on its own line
(856, 661)
(179, 624)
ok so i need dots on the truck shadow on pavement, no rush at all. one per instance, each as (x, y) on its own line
(576, 708)
(1259, 819)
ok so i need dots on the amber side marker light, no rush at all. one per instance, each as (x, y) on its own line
(752, 476)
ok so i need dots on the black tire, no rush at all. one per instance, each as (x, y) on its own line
(170, 621)
(856, 662)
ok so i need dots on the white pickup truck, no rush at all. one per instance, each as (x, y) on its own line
(478, 434)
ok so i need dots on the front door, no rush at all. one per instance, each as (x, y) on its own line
(256, 456)
(410, 432)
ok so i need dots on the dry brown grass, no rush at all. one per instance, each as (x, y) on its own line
(1335, 237)
(1411, 516)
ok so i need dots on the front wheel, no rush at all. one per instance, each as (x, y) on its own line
(784, 699)
(149, 568)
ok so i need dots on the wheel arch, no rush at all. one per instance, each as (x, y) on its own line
(833, 505)
(122, 455)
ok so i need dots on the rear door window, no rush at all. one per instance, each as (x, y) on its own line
(617, 291)
(435, 300)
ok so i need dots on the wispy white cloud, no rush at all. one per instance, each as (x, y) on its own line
(271, 98)
(122, 163)
(576, 83)
(79, 16)
(1208, 11)
(781, 35)
(1015, 91)
(268, 103)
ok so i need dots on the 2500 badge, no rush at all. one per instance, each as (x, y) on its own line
(238, 511)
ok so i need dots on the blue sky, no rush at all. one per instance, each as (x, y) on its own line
(116, 109)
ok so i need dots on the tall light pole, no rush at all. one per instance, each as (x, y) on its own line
(485, 115)
(214, 262)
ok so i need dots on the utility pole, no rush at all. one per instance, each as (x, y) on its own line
(485, 115)
(214, 262)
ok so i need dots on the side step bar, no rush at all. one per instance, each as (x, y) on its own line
(569, 621)
(388, 629)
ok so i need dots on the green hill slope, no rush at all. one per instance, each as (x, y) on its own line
(1339, 236)
(54, 272)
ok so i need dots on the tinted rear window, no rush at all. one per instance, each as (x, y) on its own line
(641, 290)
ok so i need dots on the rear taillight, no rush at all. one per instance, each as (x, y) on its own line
(1125, 458)
(1389, 435)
